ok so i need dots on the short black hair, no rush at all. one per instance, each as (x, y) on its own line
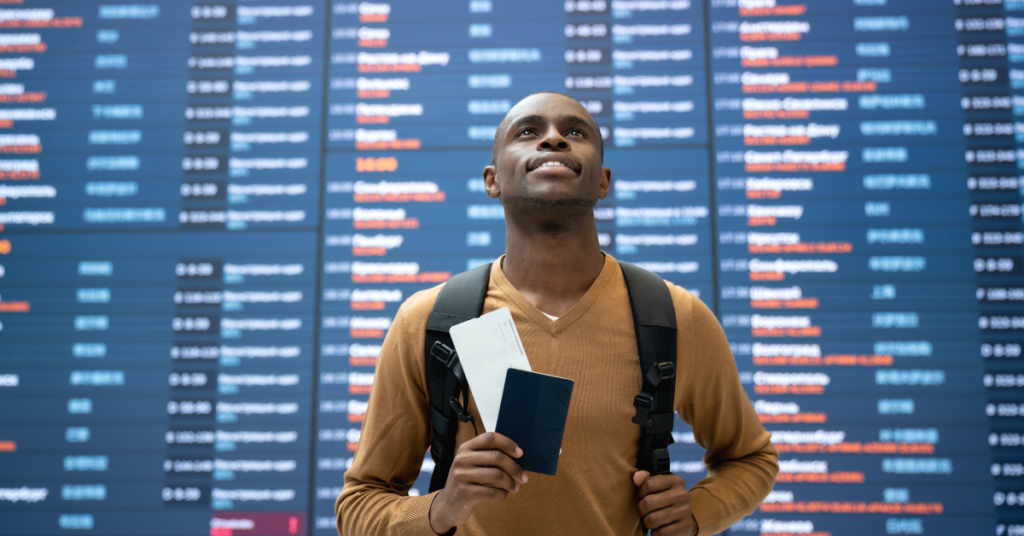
(501, 126)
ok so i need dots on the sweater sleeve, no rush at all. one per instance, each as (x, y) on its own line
(394, 439)
(741, 461)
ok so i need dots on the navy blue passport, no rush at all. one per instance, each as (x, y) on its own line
(533, 411)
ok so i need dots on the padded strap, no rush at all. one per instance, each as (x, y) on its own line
(460, 299)
(654, 321)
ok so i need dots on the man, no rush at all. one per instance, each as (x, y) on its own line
(571, 307)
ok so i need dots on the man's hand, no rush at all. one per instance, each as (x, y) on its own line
(484, 469)
(664, 504)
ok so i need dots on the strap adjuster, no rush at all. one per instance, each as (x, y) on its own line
(443, 353)
(460, 412)
(666, 370)
(643, 403)
(660, 463)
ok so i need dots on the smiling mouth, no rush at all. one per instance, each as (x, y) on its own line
(548, 165)
(555, 168)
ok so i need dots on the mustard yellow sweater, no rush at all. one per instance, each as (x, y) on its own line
(594, 345)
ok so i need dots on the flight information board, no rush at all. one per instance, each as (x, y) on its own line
(210, 212)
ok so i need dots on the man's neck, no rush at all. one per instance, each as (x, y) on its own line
(552, 266)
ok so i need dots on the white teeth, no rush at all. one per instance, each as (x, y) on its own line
(553, 164)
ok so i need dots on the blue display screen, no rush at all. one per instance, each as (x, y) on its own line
(210, 212)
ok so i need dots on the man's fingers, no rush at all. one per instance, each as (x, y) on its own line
(658, 484)
(495, 458)
(663, 503)
(487, 493)
(639, 477)
(496, 441)
(490, 476)
(671, 528)
(665, 517)
(657, 518)
(654, 502)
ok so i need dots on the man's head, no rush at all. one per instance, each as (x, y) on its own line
(548, 157)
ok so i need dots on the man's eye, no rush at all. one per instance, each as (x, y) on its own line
(575, 132)
(526, 131)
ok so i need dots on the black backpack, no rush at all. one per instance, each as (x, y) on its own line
(654, 319)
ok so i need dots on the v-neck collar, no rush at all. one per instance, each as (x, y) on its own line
(555, 327)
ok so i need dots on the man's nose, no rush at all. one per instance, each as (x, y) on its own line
(553, 139)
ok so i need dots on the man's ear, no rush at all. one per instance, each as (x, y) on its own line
(491, 182)
(606, 182)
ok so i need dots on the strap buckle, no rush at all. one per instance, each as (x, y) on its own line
(460, 412)
(443, 353)
(666, 370)
(660, 463)
(643, 403)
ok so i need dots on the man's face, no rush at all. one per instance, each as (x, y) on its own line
(548, 155)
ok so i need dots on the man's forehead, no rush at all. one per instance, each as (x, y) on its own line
(546, 104)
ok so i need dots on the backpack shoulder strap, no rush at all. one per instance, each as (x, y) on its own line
(654, 320)
(461, 299)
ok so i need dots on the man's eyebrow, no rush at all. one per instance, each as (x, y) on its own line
(525, 120)
(565, 118)
(575, 119)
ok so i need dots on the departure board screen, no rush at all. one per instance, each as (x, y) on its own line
(211, 211)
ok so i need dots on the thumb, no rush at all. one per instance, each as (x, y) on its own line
(640, 477)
